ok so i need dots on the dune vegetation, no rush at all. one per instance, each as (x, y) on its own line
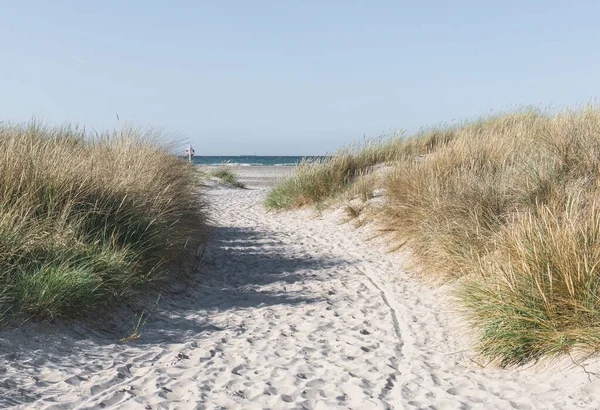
(88, 220)
(506, 207)
(227, 177)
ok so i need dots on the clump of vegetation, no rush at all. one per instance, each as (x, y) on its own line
(538, 297)
(228, 177)
(88, 220)
(318, 180)
(448, 205)
(508, 207)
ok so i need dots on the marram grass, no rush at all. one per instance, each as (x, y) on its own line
(228, 177)
(539, 296)
(507, 207)
(88, 220)
(316, 180)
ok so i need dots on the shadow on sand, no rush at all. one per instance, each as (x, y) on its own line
(242, 268)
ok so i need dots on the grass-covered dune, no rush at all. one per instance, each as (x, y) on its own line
(508, 208)
(87, 220)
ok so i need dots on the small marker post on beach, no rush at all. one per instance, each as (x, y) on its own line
(189, 152)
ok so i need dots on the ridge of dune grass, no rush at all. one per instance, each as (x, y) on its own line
(228, 177)
(88, 220)
(317, 180)
(507, 207)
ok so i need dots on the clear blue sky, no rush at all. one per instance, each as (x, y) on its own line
(291, 77)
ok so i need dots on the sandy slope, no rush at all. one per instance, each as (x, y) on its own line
(289, 311)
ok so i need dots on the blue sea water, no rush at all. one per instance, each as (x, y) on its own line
(250, 160)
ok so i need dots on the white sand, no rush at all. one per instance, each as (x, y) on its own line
(290, 311)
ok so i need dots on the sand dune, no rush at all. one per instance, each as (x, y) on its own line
(286, 311)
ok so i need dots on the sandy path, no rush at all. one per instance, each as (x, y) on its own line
(290, 311)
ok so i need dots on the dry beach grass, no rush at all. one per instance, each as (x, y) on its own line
(86, 220)
(507, 206)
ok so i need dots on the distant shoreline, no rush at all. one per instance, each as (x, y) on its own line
(254, 160)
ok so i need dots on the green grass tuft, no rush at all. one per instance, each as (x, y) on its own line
(88, 220)
(228, 177)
